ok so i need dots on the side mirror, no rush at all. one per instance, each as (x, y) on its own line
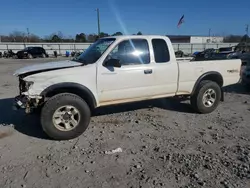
(113, 63)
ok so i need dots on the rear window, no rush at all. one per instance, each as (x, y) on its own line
(225, 49)
(161, 51)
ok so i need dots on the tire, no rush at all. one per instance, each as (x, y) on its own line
(29, 56)
(43, 55)
(197, 99)
(58, 101)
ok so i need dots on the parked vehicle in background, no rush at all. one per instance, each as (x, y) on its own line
(32, 52)
(179, 53)
(9, 54)
(216, 54)
(226, 49)
(245, 73)
(55, 54)
(117, 70)
(75, 53)
(204, 55)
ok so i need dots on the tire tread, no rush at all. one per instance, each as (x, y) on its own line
(197, 104)
(55, 100)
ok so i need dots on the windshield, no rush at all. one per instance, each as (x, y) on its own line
(28, 48)
(95, 51)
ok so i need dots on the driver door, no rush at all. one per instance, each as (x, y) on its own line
(130, 82)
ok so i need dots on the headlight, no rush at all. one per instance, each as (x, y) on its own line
(28, 84)
(24, 85)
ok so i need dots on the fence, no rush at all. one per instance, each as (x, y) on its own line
(61, 48)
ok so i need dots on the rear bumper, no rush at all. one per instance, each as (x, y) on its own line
(245, 79)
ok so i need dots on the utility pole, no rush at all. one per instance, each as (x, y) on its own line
(98, 21)
(247, 29)
(209, 34)
(28, 32)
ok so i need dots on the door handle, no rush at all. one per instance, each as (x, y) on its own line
(109, 73)
(148, 71)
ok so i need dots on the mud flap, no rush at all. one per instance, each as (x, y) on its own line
(222, 95)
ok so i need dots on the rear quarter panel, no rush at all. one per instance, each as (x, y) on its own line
(189, 72)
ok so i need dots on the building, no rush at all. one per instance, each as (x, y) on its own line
(179, 38)
(204, 39)
(195, 39)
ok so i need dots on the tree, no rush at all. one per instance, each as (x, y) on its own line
(102, 34)
(6, 39)
(92, 37)
(60, 34)
(55, 38)
(232, 38)
(80, 37)
(17, 36)
(34, 38)
(139, 33)
(117, 33)
(245, 38)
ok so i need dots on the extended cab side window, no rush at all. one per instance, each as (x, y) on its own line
(40, 50)
(131, 52)
(37, 50)
(32, 50)
(161, 51)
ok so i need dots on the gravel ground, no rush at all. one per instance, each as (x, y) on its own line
(160, 143)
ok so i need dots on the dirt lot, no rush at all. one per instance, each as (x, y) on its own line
(163, 143)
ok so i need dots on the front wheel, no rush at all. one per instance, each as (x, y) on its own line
(29, 56)
(65, 116)
(207, 97)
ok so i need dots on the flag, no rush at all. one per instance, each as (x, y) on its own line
(180, 21)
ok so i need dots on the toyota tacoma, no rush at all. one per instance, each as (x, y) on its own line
(116, 70)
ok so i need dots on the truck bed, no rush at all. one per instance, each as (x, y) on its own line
(189, 71)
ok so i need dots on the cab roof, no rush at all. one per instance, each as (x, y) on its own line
(136, 36)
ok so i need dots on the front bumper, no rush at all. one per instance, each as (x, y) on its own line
(27, 103)
(20, 101)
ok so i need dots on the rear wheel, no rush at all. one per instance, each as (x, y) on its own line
(65, 116)
(207, 97)
(43, 55)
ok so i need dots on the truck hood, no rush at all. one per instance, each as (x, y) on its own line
(28, 70)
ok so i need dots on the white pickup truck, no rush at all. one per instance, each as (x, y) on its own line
(117, 70)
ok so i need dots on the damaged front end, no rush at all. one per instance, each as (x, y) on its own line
(24, 100)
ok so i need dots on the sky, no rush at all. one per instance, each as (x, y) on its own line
(44, 17)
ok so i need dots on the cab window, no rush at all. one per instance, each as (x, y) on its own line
(161, 52)
(131, 52)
